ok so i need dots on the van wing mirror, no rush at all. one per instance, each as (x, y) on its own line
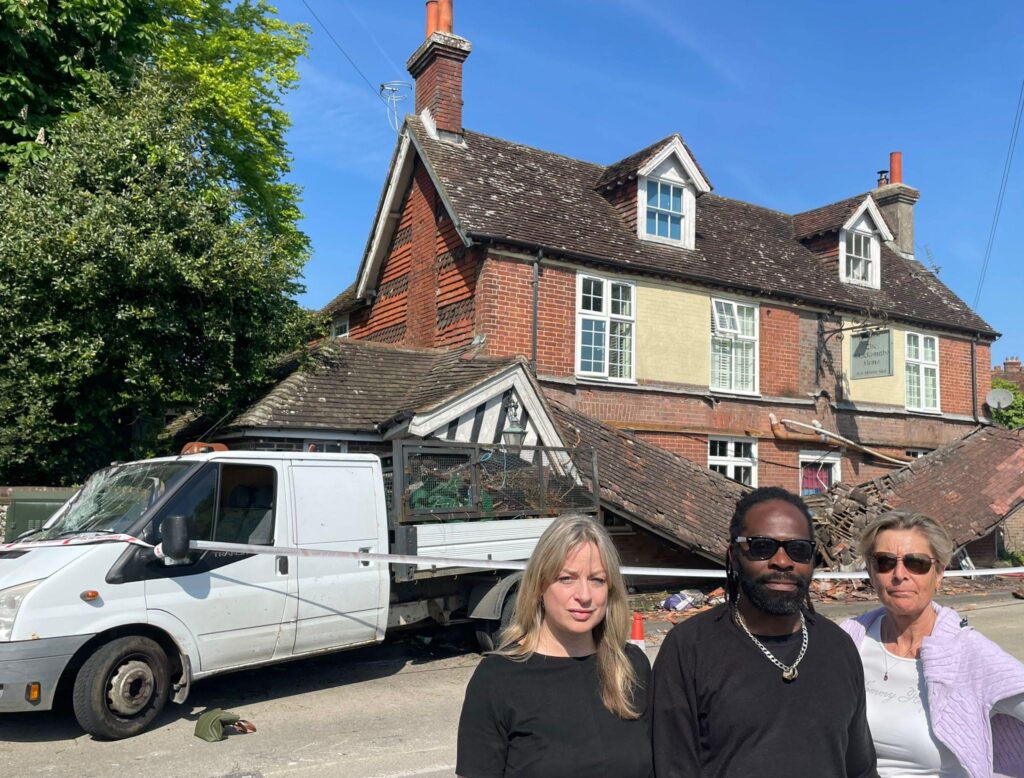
(175, 537)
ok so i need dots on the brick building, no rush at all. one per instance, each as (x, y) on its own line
(789, 349)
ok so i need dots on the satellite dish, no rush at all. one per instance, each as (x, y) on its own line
(999, 399)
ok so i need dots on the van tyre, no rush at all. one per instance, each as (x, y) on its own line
(121, 688)
(488, 631)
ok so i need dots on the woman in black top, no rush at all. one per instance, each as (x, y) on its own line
(564, 695)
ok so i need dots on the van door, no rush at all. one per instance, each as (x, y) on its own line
(339, 506)
(234, 604)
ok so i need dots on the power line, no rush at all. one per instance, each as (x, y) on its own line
(1014, 132)
(344, 53)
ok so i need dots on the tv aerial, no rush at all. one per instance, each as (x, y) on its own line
(393, 93)
(998, 399)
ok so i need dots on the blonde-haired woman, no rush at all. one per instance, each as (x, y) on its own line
(564, 694)
(942, 700)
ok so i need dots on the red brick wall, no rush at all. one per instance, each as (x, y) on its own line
(780, 352)
(682, 424)
(427, 282)
(504, 313)
(955, 375)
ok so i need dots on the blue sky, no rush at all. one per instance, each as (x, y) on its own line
(790, 105)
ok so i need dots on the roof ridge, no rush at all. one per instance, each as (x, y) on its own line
(534, 148)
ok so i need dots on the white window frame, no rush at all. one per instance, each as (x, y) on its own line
(731, 461)
(685, 212)
(872, 280)
(811, 457)
(917, 453)
(919, 365)
(606, 316)
(340, 327)
(718, 331)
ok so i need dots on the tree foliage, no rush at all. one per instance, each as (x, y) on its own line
(1013, 416)
(132, 279)
(237, 59)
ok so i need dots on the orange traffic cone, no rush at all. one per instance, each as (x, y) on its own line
(637, 635)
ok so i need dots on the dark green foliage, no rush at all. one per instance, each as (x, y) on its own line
(1012, 417)
(132, 281)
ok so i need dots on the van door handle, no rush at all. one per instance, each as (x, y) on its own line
(365, 550)
(282, 565)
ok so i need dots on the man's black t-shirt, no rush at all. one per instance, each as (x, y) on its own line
(721, 708)
(544, 718)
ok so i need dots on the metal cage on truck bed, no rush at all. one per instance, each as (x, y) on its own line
(442, 493)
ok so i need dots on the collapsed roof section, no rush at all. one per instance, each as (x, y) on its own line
(970, 485)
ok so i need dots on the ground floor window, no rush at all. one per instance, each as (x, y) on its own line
(819, 470)
(917, 453)
(735, 458)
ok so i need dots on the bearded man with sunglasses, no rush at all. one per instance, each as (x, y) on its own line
(942, 699)
(760, 686)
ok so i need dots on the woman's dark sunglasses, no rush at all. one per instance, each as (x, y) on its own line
(919, 564)
(760, 548)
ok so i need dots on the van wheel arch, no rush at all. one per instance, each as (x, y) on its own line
(179, 666)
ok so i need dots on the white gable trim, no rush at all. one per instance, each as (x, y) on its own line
(386, 221)
(515, 378)
(876, 216)
(689, 165)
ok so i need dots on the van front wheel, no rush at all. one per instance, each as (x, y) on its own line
(121, 688)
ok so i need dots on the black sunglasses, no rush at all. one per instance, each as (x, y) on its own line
(761, 548)
(919, 564)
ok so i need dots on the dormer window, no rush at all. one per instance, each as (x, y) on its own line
(664, 210)
(860, 261)
(860, 248)
(667, 188)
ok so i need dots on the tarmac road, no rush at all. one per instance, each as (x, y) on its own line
(385, 712)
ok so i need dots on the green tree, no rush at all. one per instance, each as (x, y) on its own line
(49, 51)
(236, 57)
(1013, 416)
(132, 279)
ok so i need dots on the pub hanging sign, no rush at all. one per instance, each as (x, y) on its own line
(871, 355)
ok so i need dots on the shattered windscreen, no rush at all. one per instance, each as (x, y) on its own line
(113, 499)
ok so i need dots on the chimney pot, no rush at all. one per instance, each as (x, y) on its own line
(896, 167)
(444, 16)
(431, 17)
(883, 177)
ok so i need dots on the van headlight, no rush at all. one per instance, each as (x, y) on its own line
(10, 601)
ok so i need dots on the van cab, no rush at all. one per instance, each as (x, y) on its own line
(87, 607)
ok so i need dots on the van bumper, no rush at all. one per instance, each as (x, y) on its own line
(29, 661)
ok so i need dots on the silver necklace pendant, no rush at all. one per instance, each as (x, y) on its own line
(789, 674)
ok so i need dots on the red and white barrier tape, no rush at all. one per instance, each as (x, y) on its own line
(442, 562)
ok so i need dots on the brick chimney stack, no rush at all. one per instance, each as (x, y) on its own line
(896, 202)
(437, 67)
(1011, 365)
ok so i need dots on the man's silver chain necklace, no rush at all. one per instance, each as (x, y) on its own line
(788, 671)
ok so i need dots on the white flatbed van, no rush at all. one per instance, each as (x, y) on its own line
(122, 630)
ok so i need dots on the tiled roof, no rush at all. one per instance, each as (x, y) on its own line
(343, 303)
(663, 490)
(509, 192)
(969, 485)
(625, 168)
(827, 218)
(354, 386)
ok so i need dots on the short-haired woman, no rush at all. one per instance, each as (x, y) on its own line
(564, 694)
(942, 700)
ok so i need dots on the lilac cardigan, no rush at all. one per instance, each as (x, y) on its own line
(966, 674)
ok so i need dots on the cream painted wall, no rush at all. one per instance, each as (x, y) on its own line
(888, 390)
(673, 334)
